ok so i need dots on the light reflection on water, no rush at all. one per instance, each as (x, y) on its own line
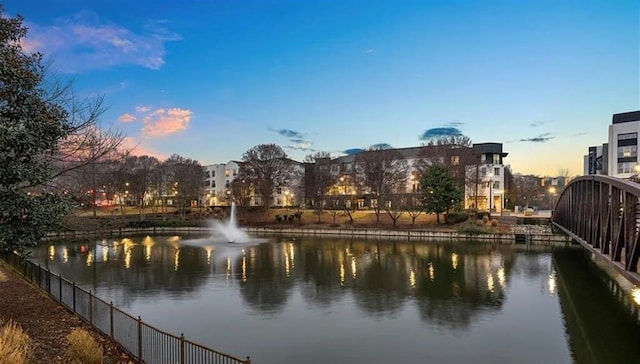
(368, 301)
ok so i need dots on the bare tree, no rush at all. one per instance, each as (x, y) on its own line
(413, 205)
(186, 176)
(452, 152)
(383, 172)
(394, 205)
(141, 178)
(241, 190)
(266, 166)
(318, 180)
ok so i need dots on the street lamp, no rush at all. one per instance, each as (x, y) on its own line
(342, 182)
(552, 193)
(490, 192)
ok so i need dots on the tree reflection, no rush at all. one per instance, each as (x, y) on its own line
(268, 286)
(448, 282)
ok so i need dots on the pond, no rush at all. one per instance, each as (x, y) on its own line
(327, 300)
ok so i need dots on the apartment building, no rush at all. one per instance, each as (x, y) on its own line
(219, 177)
(618, 157)
(485, 187)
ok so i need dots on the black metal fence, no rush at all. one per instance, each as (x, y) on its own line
(144, 342)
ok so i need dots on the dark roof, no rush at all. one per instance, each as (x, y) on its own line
(626, 117)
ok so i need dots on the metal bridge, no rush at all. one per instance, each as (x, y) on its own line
(603, 214)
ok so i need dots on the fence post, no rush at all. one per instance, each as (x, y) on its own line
(111, 319)
(181, 348)
(49, 281)
(60, 287)
(140, 339)
(73, 287)
(39, 276)
(90, 308)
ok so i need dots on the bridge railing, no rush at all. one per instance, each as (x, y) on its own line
(143, 342)
(603, 214)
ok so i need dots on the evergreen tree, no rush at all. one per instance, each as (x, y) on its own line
(31, 127)
(439, 190)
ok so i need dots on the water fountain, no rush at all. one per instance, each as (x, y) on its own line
(230, 230)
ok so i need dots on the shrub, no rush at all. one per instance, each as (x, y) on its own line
(15, 345)
(472, 230)
(83, 349)
(455, 217)
(494, 223)
(485, 218)
(479, 222)
(482, 214)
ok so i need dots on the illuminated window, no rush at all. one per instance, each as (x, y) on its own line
(455, 160)
(628, 151)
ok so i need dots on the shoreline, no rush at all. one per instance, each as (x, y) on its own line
(511, 237)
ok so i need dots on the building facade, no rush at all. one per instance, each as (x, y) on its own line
(485, 187)
(618, 157)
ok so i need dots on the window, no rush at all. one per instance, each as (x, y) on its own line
(496, 185)
(496, 171)
(279, 190)
(213, 184)
(226, 184)
(627, 136)
(496, 159)
(626, 167)
(227, 173)
(455, 160)
(628, 151)
(235, 172)
(483, 172)
(483, 158)
(207, 174)
(213, 173)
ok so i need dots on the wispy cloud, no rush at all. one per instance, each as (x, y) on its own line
(545, 137)
(435, 133)
(288, 133)
(537, 123)
(126, 118)
(580, 133)
(84, 41)
(370, 51)
(297, 139)
(456, 124)
(142, 109)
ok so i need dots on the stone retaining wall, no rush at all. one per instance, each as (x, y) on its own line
(528, 237)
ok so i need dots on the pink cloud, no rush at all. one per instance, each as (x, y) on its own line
(126, 118)
(136, 147)
(163, 122)
(30, 45)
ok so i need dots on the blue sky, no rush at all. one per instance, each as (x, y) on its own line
(210, 79)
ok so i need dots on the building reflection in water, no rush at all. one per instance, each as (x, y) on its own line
(381, 276)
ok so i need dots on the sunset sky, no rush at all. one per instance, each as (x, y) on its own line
(210, 79)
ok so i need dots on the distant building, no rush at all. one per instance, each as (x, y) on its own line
(217, 183)
(485, 188)
(618, 157)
